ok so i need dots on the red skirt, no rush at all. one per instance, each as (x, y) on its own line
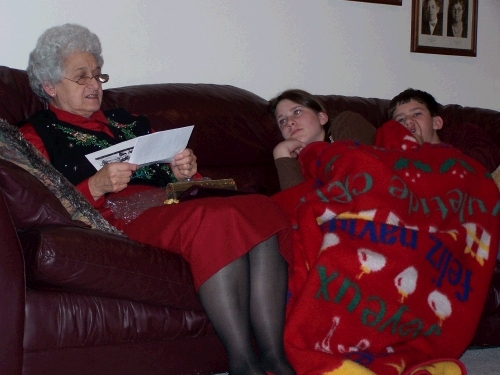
(210, 233)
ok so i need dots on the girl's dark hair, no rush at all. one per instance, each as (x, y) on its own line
(419, 96)
(303, 98)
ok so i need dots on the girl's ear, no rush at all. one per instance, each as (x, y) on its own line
(49, 88)
(437, 122)
(323, 118)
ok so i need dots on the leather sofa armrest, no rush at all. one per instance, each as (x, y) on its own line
(489, 324)
(492, 305)
(93, 262)
(12, 292)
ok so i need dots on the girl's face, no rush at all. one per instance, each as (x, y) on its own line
(300, 122)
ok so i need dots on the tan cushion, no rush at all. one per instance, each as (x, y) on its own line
(496, 176)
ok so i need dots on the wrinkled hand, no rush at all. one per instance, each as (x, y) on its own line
(184, 165)
(289, 148)
(111, 178)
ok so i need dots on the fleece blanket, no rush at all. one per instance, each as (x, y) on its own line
(394, 249)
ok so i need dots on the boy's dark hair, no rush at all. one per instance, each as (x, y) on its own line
(303, 98)
(419, 96)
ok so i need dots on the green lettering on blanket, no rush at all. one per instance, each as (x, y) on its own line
(325, 280)
(370, 317)
(400, 190)
(454, 202)
(345, 191)
(441, 206)
(496, 209)
(344, 288)
(374, 309)
(458, 203)
(346, 284)
(394, 320)
(412, 328)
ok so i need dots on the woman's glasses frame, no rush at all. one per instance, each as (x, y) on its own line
(101, 78)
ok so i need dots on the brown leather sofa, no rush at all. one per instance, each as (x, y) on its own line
(80, 301)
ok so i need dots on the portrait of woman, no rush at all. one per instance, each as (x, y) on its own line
(457, 19)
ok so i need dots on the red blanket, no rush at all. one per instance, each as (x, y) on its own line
(394, 249)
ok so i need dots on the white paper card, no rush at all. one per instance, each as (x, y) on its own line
(159, 147)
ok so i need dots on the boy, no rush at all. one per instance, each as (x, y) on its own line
(418, 111)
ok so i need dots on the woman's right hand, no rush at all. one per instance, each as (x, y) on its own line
(289, 148)
(111, 178)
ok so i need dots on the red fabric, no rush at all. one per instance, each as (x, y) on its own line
(394, 247)
(210, 233)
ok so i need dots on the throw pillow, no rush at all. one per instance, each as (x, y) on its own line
(351, 126)
(15, 149)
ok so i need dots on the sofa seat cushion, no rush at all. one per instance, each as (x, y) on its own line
(56, 320)
(93, 262)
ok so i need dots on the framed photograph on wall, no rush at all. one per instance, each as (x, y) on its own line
(389, 2)
(445, 27)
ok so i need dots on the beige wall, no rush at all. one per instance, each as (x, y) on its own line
(265, 46)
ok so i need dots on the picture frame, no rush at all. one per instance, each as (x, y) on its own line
(455, 32)
(388, 2)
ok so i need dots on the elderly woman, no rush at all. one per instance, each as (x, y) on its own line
(457, 19)
(235, 254)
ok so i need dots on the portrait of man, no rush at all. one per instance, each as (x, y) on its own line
(432, 17)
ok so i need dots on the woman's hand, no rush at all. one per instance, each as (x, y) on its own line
(289, 148)
(184, 165)
(111, 178)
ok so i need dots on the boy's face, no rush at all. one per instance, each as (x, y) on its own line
(418, 120)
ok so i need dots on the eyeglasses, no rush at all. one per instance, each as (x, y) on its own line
(101, 78)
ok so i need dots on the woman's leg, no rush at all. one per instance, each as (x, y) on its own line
(268, 288)
(225, 298)
(250, 292)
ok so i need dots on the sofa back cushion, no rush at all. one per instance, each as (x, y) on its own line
(234, 133)
(17, 100)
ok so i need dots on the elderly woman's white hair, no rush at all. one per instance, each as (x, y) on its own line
(46, 61)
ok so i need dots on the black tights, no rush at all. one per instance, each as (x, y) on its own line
(249, 295)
